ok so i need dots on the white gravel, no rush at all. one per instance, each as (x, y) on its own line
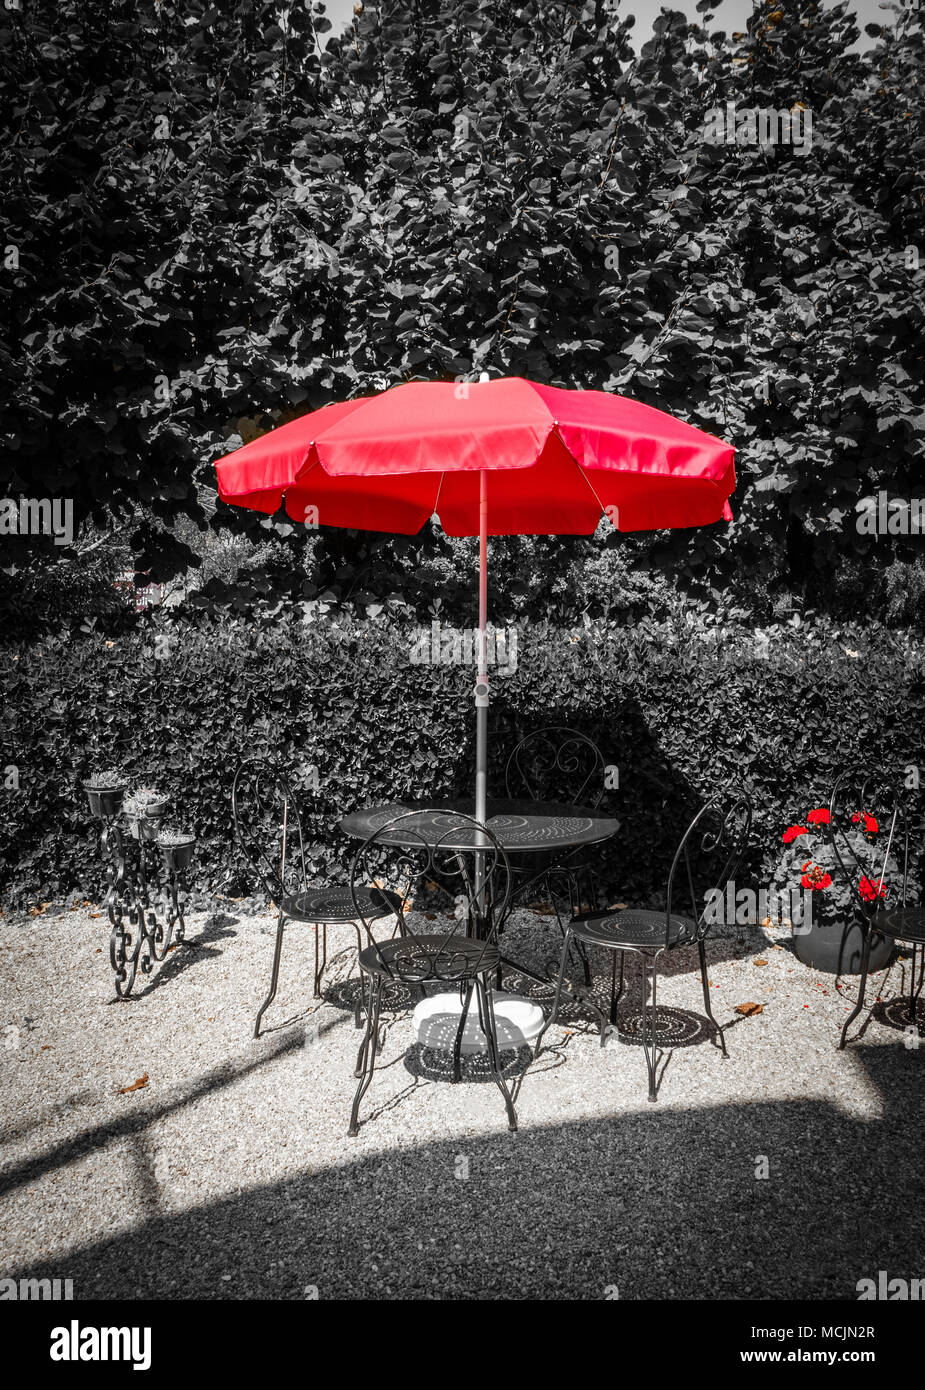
(230, 1174)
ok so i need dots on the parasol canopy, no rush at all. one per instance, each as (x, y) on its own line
(557, 460)
(497, 457)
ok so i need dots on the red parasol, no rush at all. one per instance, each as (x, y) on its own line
(500, 457)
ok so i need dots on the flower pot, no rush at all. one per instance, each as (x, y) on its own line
(142, 827)
(177, 857)
(104, 801)
(835, 948)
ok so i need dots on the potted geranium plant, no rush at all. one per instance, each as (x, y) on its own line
(105, 790)
(826, 891)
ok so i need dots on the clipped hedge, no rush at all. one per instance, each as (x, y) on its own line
(678, 712)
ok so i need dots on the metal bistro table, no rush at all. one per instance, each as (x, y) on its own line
(522, 827)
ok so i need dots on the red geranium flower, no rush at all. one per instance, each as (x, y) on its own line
(870, 822)
(818, 817)
(870, 890)
(792, 832)
(816, 878)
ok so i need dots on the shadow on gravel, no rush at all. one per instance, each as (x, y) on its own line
(660, 1203)
(15, 1175)
(195, 950)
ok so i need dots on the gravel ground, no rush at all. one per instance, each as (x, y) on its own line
(789, 1170)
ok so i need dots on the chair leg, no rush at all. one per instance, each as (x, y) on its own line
(915, 990)
(706, 996)
(649, 1047)
(865, 965)
(319, 969)
(359, 1007)
(609, 1019)
(367, 1054)
(616, 994)
(487, 1011)
(457, 1045)
(555, 1002)
(574, 903)
(274, 978)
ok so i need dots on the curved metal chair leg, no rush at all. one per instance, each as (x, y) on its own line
(368, 1055)
(706, 997)
(914, 991)
(608, 1020)
(574, 906)
(457, 1045)
(862, 990)
(366, 987)
(558, 996)
(274, 978)
(491, 1033)
(319, 969)
(360, 1005)
(616, 994)
(649, 1047)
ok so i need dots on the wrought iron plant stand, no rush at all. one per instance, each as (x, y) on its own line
(145, 899)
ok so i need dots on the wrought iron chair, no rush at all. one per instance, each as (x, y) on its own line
(557, 763)
(265, 814)
(879, 881)
(411, 855)
(707, 858)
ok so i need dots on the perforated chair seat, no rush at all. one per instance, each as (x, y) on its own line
(637, 927)
(447, 958)
(903, 924)
(336, 904)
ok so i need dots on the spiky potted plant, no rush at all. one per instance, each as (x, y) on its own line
(828, 930)
(144, 809)
(105, 791)
(176, 846)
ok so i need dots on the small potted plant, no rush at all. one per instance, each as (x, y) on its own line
(827, 922)
(105, 791)
(176, 846)
(145, 808)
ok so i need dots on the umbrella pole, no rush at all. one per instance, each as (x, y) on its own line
(481, 685)
(481, 697)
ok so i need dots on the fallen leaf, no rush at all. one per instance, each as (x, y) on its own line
(747, 1010)
(138, 1085)
(94, 915)
(761, 962)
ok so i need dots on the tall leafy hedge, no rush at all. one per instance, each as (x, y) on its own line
(214, 214)
(678, 711)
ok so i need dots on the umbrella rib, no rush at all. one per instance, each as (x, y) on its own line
(588, 481)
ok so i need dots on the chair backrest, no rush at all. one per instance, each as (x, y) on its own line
(268, 827)
(707, 860)
(556, 763)
(869, 831)
(420, 857)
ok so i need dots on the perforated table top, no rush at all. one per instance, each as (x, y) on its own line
(520, 826)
